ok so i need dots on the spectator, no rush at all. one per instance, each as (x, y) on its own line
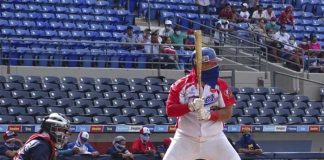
(227, 13)
(167, 31)
(259, 28)
(222, 29)
(170, 55)
(143, 144)
(246, 144)
(257, 14)
(295, 60)
(161, 150)
(84, 146)
(119, 150)
(155, 49)
(11, 144)
(272, 24)
(292, 45)
(129, 37)
(253, 5)
(304, 44)
(286, 16)
(190, 40)
(203, 6)
(145, 39)
(313, 44)
(281, 37)
(244, 14)
(178, 37)
(268, 13)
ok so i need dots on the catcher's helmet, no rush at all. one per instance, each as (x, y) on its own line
(208, 54)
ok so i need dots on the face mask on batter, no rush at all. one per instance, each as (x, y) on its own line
(145, 138)
(210, 76)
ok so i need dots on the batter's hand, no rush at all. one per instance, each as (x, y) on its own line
(203, 114)
(196, 104)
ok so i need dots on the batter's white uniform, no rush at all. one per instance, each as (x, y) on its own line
(193, 138)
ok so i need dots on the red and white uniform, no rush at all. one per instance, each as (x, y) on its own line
(193, 138)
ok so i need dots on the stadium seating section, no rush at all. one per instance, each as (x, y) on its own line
(26, 100)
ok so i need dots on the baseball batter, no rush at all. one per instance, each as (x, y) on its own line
(199, 133)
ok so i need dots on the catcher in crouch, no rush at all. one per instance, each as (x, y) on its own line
(199, 133)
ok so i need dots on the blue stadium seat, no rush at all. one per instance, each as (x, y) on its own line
(251, 112)
(261, 90)
(275, 90)
(161, 112)
(91, 111)
(256, 97)
(51, 79)
(65, 102)
(27, 102)
(148, 112)
(70, 80)
(15, 23)
(88, 10)
(262, 120)
(16, 79)
(237, 112)
(62, 9)
(162, 96)
(320, 120)
(69, 25)
(139, 120)
(158, 120)
(87, 80)
(2, 79)
(265, 112)
(286, 105)
(269, 104)
(153, 81)
(46, 8)
(315, 105)
(112, 112)
(73, 111)
(240, 104)
(46, 102)
(137, 88)
(13, 86)
(68, 87)
(130, 95)
(33, 79)
(310, 120)
(231, 121)
(83, 103)
(294, 120)
(7, 6)
(297, 112)
(119, 103)
(56, 1)
(55, 110)
(120, 88)
(100, 11)
(138, 103)
(22, 7)
(101, 103)
(169, 81)
(101, 120)
(35, 111)
(13, 111)
(137, 81)
(20, 94)
(282, 112)
(155, 104)
(112, 95)
(22, 119)
(57, 94)
(254, 104)
(243, 97)
(85, 87)
(301, 98)
(121, 120)
(123, 81)
(103, 88)
(5, 94)
(245, 120)
(146, 96)
(273, 98)
(279, 120)
(312, 112)
(287, 98)
(300, 105)
(8, 32)
(81, 120)
(93, 95)
(154, 88)
(50, 87)
(8, 15)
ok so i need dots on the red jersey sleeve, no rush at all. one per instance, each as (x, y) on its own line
(136, 146)
(173, 106)
(227, 94)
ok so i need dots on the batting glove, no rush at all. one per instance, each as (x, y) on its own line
(196, 104)
(203, 114)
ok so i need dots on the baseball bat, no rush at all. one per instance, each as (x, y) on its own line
(198, 46)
